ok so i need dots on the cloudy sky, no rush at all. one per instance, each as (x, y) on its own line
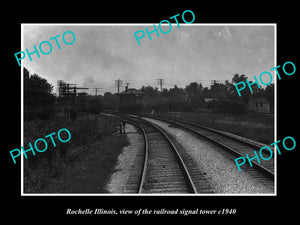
(102, 54)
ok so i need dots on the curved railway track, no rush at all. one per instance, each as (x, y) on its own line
(164, 170)
(229, 142)
(162, 166)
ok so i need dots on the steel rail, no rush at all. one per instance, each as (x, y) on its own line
(223, 133)
(186, 174)
(266, 171)
(135, 121)
(146, 150)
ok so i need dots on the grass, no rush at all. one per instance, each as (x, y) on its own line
(90, 170)
(51, 172)
(258, 127)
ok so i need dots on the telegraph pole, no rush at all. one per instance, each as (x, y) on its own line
(160, 82)
(67, 96)
(213, 82)
(118, 84)
(96, 89)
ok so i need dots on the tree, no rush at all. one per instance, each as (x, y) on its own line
(177, 99)
(269, 94)
(194, 95)
(151, 98)
(149, 91)
(37, 91)
(239, 78)
(193, 89)
(109, 100)
(38, 97)
(26, 74)
(246, 93)
(219, 91)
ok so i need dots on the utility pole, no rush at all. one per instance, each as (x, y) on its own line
(96, 89)
(160, 82)
(118, 84)
(75, 91)
(67, 97)
(213, 82)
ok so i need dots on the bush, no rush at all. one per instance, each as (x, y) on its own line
(231, 106)
(46, 112)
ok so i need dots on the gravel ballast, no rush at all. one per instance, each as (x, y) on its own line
(118, 180)
(220, 168)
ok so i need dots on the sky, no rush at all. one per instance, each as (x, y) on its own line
(102, 54)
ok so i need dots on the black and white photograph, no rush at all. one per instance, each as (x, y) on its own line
(160, 117)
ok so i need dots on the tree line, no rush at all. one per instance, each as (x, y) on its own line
(38, 96)
(39, 99)
(219, 97)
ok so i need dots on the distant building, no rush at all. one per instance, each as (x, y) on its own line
(259, 105)
(88, 104)
(130, 100)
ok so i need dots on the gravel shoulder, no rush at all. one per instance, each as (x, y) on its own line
(221, 169)
(118, 180)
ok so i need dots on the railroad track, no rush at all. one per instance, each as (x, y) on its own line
(163, 166)
(229, 142)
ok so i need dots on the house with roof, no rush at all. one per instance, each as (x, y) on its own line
(259, 105)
